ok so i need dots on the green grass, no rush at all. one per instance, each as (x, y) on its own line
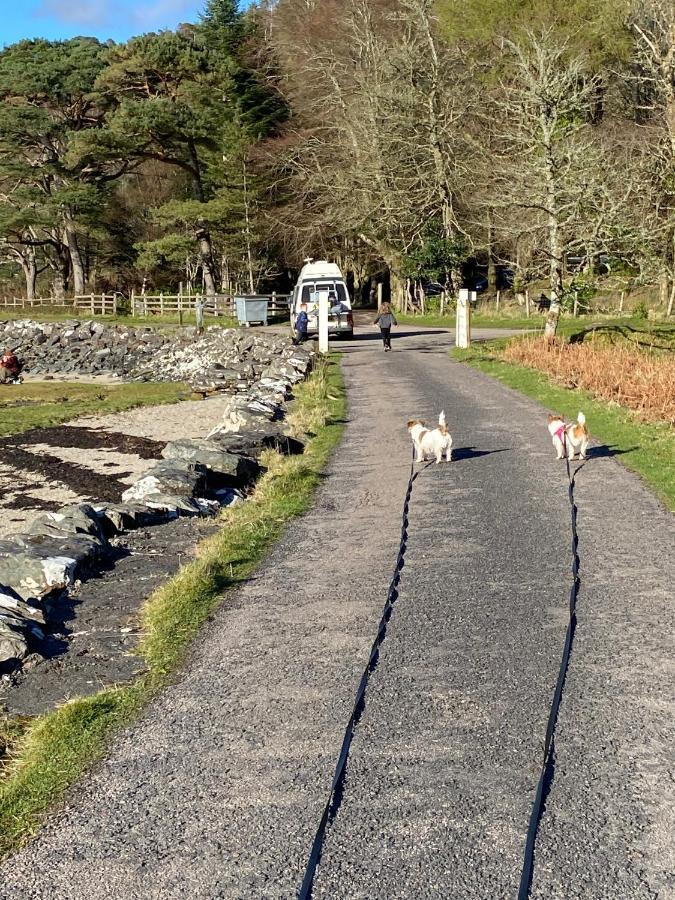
(43, 404)
(646, 448)
(48, 755)
(567, 325)
(51, 314)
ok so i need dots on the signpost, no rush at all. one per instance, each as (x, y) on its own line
(323, 321)
(463, 323)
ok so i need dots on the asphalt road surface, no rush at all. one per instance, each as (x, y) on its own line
(218, 790)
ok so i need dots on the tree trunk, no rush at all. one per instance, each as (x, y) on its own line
(491, 262)
(61, 266)
(208, 267)
(29, 267)
(554, 252)
(247, 215)
(76, 263)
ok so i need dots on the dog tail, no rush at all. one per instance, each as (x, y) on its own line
(441, 419)
(581, 419)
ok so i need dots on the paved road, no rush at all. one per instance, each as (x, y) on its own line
(217, 792)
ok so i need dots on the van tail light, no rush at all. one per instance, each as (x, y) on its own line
(350, 319)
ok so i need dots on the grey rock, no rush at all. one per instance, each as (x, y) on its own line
(12, 603)
(13, 646)
(214, 457)
(171, 477)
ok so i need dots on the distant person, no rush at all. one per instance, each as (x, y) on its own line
(10, 368)
(301, 324)
(337, 307)
(385, 319)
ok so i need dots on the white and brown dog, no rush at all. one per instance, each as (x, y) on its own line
(430, 441)
(568, 439)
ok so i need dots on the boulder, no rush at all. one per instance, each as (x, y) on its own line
(77, 519)
(120, 517)
(33, 570)
(168, 478)
(11, 603)
(252, 443)
(238, 468)
(13, 646)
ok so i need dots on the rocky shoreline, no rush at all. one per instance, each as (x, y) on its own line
(195, 477)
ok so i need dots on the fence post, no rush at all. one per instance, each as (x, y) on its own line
(527, 303)
(621, 299)
(199, 315)
(499, 297)
(379, 296)
(161, 303)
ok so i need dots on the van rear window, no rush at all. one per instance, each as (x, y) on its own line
(336, 288)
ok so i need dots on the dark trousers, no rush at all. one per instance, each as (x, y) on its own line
(386, 337)
(300, 337)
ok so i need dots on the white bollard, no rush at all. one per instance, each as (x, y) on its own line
(463, 322)
(323, 322)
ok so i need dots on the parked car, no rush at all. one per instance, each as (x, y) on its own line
(315, 278)
(432, 288)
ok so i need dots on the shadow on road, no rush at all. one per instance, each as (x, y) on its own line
(376, 336)
(606, 451)
(471, 453)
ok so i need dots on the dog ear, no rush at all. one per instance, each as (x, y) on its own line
(411, 422)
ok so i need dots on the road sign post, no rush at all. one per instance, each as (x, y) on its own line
(463, 322)
(323, 321)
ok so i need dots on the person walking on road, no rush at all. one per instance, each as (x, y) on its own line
(385, 319)
(301, 324)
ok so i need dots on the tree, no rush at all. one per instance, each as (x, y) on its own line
(47, 105)
(653, 23)
(544, 152)
(375, 150)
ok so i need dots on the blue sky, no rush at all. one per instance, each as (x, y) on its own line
(117, 19)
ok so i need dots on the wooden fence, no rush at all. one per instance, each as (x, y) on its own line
(95, 304)
(23, 303)
(218, 305)
(149, 304)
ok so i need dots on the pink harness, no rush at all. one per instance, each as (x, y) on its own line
(560, 433)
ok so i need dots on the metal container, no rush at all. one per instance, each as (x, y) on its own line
(251, 309)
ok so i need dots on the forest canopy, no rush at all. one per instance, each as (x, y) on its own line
(408, 140)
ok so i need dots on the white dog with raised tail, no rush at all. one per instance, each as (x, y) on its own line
(568, 439)
(431, 442)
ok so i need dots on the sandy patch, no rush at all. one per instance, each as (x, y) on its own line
(186, 419)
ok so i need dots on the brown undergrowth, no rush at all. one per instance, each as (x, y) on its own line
(640, 380)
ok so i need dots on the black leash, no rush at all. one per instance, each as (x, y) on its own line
(335, 795)
(548, 763)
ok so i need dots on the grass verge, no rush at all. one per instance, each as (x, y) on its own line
(646, 448)
(567, 325)
(54, 750)
(62, 314)
(43, 404)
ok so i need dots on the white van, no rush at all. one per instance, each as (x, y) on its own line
(317, 277)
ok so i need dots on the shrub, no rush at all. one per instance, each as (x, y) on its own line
(641, 380)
